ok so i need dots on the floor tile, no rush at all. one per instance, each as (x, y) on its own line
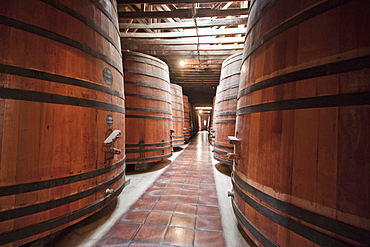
(172, 191)
(211, 187)
(149, 197)
(192, 181)
(141, 244)
(123, 231)
(187, 192)
(134, 216)
(208, 201)
(186, 208)
(164, 180)
(191, 186)
(208, 193)
(188, 199)
(169, 198)
(175, 185)
(208, 210)
(155, 191)
(142, 205)
(165, 206)
(149, 233)
(209, 238)
(178, 180)
(112, 243)
(160, 184)
(179, 236)
(158, 218)
(209, 223)
(183, 220)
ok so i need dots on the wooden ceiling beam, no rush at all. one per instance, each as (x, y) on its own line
(197, 86)
(182, 13)
(199, 74)
(199, 70)
(196, 75)
(190, 53)
(204, 59)
(176, 67)
(196, 81)
(190, 71)
(188, 33)
(193, 71)
(214, 78)
(143, 22)
(212, 71)
(187, 24)
(203, 78)
(135, 47)
(192, 80)
(187, 41)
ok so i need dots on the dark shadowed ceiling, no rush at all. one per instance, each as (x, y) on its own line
(193, 37)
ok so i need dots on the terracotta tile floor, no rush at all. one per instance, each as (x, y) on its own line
(180, 209)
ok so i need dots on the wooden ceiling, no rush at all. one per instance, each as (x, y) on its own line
(193, 37)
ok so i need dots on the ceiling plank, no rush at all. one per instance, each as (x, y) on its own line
(187, 24)
(182, 13)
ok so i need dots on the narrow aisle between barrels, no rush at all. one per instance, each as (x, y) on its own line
(181, 208)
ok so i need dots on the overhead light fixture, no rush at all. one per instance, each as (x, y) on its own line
(203, 108)
(182, 63)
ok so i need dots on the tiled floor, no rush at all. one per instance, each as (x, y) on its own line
(180, 209)
(177, 208)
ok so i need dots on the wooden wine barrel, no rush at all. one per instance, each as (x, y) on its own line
(187, 120)
(211, 134)
(61, 96)
(225, 108)
(177, 115)
(148, 109)
(192, 116)
(302, 176)
(194, 125)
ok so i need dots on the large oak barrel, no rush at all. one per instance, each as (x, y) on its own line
(225, 108)
(148, 109)
(194, 126)
(177, 115)
(187, 119)
(211, 134)
(61, 96)
(302, 176)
